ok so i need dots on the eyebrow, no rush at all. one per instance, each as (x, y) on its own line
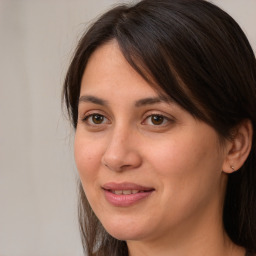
(152, 100)
(93, 99)
(138, 103)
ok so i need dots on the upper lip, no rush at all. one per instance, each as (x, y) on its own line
(125, 186)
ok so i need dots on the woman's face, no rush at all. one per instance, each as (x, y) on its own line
(148, 168)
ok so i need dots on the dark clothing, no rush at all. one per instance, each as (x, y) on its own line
(249, 253)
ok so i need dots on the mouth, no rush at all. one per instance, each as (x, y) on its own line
(125, 194)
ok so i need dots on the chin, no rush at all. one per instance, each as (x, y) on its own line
(125, 231)
(125, 236)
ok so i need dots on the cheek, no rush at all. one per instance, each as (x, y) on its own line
(87, 157)
(188, 153)
(188, 164)
(190, 172)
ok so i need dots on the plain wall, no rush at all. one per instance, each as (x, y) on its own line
(37, 170)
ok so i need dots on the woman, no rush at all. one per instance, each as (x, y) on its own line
(162, 96)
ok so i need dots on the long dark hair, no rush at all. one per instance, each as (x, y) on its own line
(201, 58)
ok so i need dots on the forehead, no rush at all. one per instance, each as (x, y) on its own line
(107, 69)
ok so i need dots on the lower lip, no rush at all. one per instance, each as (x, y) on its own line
(125, 200)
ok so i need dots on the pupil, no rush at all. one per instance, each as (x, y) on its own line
(97, 119)
(157, 120)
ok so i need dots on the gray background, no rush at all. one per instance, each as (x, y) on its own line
(37, 170)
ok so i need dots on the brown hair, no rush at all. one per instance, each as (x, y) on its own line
(201, 58)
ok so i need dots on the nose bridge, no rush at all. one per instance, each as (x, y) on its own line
(121, 151)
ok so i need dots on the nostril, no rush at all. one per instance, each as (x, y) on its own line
(121, 158)
(117, 167)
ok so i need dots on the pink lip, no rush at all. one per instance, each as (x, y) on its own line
(125, 200)
(125, 186)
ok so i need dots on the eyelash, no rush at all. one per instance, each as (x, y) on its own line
(164, 121)
(89, 116)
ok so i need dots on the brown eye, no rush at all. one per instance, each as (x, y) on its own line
(157, 119)
(97, 119)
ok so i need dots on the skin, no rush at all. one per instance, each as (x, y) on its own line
(180, 157)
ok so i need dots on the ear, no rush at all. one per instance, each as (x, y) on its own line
(239, 147)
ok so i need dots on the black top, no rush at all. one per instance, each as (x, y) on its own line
(248, 253)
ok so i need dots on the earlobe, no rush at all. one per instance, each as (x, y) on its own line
(239, 147)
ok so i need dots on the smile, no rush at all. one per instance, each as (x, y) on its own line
(125, 194)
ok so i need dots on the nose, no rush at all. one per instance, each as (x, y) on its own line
(122, 152)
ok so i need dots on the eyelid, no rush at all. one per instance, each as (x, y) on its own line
(91, 113)
(167, 117)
